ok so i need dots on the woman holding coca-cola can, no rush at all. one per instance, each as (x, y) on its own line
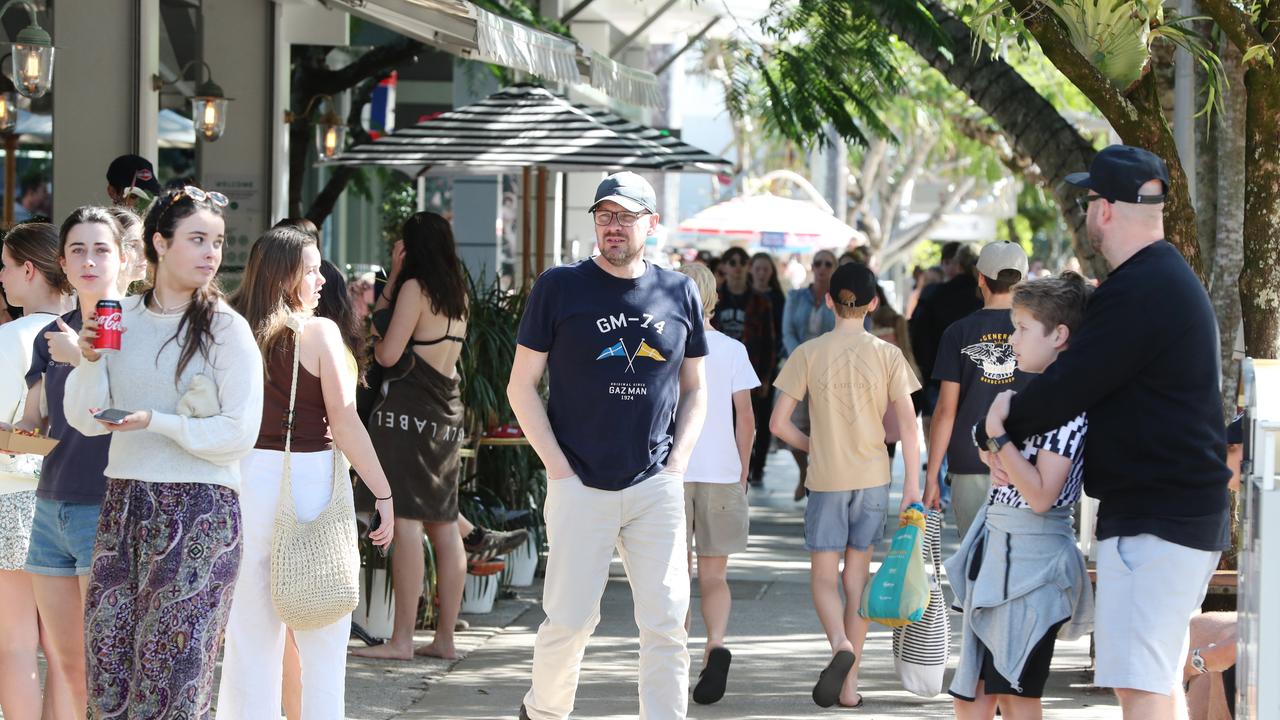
(92, 255)
(182, 400)
(34, 282)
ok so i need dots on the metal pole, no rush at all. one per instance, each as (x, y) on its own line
(625, 42)
(692, 41)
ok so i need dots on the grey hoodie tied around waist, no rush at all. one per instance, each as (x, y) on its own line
(1032, 577)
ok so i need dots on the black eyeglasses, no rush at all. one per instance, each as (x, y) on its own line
(604, 218)
(1083, 201)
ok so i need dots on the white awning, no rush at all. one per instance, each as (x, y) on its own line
(463, 29)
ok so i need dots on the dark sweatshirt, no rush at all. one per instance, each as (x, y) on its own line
(1145, 367)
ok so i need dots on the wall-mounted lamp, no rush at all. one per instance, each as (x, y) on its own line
(32, 56)
(208, 104)
(331, 129)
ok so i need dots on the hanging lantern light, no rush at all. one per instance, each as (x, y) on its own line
(31, 64)
(208, 104)
(209, 111)
(331, 133)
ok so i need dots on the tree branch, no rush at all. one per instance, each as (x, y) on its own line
(914, 233)
(376, 62)
(1234, 23)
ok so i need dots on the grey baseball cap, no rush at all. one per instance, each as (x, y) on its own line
(1000, 256)
(628, 190)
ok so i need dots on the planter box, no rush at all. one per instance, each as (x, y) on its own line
(478, 594)
(522, 563)
(376, 616)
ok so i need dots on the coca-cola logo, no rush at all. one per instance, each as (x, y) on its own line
(112, 322)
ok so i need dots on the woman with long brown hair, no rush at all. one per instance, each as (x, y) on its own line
(33, 281)
(417, 425)
(278, 298)
(187, 385)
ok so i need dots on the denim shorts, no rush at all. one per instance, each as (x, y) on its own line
(843, 519)
(62, 538)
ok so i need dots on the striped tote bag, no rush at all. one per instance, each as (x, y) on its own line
(921, 649)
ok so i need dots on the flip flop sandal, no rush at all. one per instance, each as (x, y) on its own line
(714, 677)
(827, 690)
(856, 705)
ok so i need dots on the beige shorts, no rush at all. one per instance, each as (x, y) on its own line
(715, 518)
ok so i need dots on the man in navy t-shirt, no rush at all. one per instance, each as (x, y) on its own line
(623, 343)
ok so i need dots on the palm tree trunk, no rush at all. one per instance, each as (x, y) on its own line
(1032, 124)
(1228, 251)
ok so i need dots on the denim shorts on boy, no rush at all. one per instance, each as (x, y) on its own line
(62, 537)
(843, 519)
(716, 518)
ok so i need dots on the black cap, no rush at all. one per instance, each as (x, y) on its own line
(1118, 172)
(858, 280)
(133, 170)
(628, 190)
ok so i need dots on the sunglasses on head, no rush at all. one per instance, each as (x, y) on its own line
(216, 199)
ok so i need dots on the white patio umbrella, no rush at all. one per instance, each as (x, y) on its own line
(766, 222)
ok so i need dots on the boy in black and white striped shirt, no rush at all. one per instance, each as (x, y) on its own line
(1022, 579)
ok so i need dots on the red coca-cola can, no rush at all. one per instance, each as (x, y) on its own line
(110, 320)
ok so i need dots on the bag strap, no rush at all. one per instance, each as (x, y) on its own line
(933, 536)
(286, 483)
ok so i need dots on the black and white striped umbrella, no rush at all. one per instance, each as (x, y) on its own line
(529, 126)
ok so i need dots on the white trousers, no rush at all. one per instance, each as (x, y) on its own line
(254, 652)
(646, 523)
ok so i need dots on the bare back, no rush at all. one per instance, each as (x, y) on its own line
(416, 325)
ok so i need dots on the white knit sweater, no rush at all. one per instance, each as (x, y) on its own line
(174, 448)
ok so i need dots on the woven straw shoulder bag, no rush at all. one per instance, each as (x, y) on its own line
(315, 566)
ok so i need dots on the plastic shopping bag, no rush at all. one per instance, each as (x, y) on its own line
(921, 649)
(899, 592)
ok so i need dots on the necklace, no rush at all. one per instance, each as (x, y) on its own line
(168, 310)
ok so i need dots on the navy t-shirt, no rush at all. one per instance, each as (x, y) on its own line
(975, 352)
(614, 348)
(73, 471)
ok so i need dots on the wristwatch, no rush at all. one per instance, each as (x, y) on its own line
(995, 443)
(1197, 662)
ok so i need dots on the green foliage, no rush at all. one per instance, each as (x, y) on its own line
(492, 321)
(830, 64)
(398, 203)
(1115, 36)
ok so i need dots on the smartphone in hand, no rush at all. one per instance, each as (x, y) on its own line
(375, 522)
(113, 416)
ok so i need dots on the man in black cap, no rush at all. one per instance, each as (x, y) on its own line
(131, 181)
(623, 341)
(1145, 368)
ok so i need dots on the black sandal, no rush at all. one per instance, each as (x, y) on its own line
(827, 690)
(714, 677)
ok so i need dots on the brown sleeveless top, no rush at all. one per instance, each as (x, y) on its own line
(310, 424)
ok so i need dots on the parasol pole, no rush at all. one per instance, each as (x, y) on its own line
(10, 175)
(542, 220)
(525, 222)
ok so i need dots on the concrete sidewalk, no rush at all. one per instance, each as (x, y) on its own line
(777, 642)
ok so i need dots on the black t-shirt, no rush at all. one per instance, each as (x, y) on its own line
(615, 347)
(975, 352)
(73, 471)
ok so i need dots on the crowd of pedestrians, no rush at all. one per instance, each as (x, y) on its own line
(141, 549)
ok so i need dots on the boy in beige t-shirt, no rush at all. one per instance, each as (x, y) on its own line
(851, 378)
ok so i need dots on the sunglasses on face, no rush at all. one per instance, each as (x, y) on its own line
(604, 218)
(823, 264)
(1083, 201)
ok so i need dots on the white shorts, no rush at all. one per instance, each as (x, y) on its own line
(1148, 590)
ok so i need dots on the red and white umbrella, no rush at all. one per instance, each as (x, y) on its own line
(767, 222)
